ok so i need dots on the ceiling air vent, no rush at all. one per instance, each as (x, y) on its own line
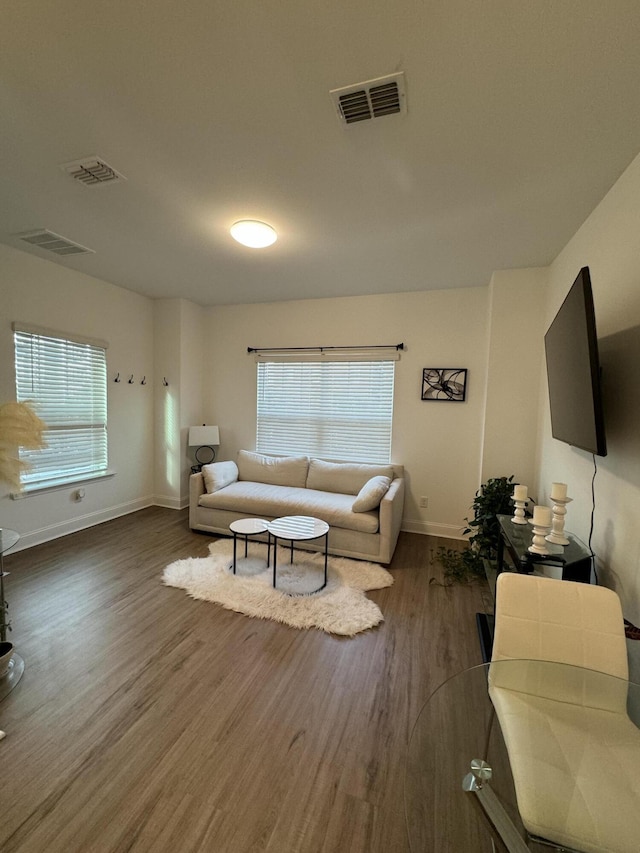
(44, 239)
(92, 172)
(380, 97)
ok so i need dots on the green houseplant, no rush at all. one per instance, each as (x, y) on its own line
(493, 498)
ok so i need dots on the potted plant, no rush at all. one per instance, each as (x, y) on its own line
(19, 427)
(493, 498)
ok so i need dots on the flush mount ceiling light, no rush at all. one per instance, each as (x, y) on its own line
(254, 234)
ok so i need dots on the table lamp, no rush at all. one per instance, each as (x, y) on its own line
(204, 438)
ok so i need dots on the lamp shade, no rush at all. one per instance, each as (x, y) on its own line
(204, 436)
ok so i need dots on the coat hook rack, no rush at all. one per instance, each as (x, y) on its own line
(117, 379)
(131, 379)
(143, 381)
(164, 381)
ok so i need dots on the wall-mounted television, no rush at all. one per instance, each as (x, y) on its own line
(573, 371)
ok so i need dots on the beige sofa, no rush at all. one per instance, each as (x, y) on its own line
(362, 504)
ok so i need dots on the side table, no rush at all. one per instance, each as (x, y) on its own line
(249, 527)
(297, 528)
(8, 538)
(573, 561)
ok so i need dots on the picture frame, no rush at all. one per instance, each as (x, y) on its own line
(444, 384)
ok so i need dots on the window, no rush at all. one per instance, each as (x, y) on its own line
(66, 381)
(331, 409)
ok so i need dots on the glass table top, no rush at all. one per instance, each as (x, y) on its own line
(458, 724)
(8, 538)
(298, 527)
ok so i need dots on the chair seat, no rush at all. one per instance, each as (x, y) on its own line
(575, 770)
(562, 706)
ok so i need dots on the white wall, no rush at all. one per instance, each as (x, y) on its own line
(46, 294)
(168, 462)
(439, 443)
(178, 328)
(516, 356)
(192, 347)
(609, 244)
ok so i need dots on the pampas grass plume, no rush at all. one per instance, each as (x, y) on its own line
(19, 427)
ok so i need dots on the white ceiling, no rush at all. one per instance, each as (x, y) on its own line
(521, 115)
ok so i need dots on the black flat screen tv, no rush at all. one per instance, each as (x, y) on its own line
(573, 371)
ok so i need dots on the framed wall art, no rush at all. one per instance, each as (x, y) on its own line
(444, 383)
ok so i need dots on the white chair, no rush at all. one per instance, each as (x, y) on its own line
(574, 752)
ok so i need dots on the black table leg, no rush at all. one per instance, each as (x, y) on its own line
(275, 559)
(235, 539)
(326, 554)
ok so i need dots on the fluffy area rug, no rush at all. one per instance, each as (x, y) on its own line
(340, 608)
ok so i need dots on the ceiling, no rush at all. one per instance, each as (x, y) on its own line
(520, 116)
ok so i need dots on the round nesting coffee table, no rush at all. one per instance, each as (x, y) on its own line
(249, 527)
(297, 528)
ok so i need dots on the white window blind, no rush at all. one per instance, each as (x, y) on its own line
(332, 409)
(67, 383)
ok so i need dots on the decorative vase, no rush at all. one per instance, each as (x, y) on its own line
(6, 653)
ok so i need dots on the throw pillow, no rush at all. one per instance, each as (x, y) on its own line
(217, 475)
(371, 494)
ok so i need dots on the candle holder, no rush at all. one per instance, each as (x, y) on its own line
(557, 524)
(518, 513)
(538, 544)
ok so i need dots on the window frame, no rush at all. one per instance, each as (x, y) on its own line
(72, 402)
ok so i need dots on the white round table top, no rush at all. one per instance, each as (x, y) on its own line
(248, 526)
(8, 538)
(298, 527)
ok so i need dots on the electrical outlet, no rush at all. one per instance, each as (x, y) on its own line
(424, 502)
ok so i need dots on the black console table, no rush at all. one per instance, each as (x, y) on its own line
(570, 562)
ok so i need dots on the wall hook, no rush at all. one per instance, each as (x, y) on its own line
(144, 380)
(131, 379)
(164, 381)
(117, 379)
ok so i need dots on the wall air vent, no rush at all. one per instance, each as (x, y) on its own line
(374, 98)
(92, 172)
(44, 239)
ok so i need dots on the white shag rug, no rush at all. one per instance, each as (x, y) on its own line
(340, 608)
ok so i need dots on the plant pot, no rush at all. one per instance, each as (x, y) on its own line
(6, 653)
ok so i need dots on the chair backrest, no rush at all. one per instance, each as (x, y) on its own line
(540, 618)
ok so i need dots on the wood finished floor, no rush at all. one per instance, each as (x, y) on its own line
(147, 721)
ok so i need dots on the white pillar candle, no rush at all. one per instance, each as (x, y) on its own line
(542, 516)
(520, 493)
(558, 491)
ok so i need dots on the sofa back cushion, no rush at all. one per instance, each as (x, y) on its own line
(273, 470)
(344, 478)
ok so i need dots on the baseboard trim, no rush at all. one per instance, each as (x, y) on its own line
(73, 525)
(169, 502)
(431, 528)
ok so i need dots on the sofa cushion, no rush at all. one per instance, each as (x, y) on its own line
(275, 470)
(371, 494)
(262, 500)
(346, 478)
(217, 475)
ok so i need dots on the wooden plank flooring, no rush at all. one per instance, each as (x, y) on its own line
(147, 721)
